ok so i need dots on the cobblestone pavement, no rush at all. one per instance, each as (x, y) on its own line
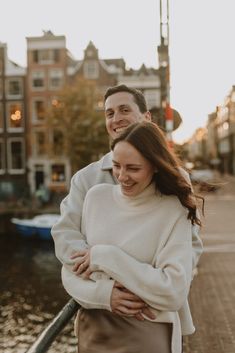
(212, 295)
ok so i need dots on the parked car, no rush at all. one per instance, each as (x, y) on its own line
(202, 175)
(204, 178)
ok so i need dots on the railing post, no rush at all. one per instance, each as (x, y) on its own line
(46, 338)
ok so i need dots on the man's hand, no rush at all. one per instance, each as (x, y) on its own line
(123, 301)
(82, 264)
(126, 303)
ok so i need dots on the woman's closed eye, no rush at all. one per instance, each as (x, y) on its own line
(133, 169)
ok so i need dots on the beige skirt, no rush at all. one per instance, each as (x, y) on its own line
(100, 331)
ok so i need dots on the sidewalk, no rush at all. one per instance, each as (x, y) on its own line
(212, 303)
(212, 295)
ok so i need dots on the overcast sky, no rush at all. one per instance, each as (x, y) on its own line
(202, 37)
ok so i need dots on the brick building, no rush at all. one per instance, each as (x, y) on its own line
(13, 171)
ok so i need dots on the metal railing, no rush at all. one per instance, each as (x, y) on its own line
(44, 341)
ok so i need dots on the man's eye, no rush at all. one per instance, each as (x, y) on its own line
(109, 115)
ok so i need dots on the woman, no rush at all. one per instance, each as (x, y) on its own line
(139, 233)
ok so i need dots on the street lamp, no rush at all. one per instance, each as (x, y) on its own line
(164, 68)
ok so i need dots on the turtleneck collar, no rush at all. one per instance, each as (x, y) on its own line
(147, 199)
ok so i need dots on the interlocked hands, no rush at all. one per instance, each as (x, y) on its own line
(123, 302)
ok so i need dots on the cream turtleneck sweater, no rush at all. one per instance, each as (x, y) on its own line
(143, 242)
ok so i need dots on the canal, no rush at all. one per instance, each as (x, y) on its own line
(31, 294)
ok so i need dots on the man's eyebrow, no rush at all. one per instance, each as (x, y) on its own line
(129, 164)
(124, 106)
(119, 106)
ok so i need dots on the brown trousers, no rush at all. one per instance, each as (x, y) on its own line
(100, 331)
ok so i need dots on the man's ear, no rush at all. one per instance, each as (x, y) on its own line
(148, 116)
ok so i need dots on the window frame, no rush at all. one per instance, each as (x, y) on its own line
(57, 182)
(86, 69)
(41, 75)
(15, 129)
(35, 144)
(11, 170)
(7, 87)
(2, 157)
(60, 76)
(34, 115)
(1, 119)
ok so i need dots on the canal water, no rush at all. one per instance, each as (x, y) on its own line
(31, 294)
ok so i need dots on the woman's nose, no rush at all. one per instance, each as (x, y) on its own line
(122, 175)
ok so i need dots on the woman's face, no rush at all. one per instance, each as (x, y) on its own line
(133, 172)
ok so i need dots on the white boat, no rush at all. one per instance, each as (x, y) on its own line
(39, 226)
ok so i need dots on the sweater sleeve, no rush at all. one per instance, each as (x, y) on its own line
(66, 232)
(89, 294)
(165, 284)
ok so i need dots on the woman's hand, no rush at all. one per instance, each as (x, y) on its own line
(82, 264)
(126, 303)
(123, 301)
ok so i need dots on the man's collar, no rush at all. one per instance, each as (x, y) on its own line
(107, 161)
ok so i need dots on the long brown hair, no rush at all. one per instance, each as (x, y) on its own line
(150, 141)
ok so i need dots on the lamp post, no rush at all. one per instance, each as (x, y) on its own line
(164, 68)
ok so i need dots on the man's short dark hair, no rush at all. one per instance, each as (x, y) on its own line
(137, 95)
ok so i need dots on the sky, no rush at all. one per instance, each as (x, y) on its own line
(201, 45)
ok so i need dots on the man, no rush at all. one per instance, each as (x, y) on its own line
(123, 106)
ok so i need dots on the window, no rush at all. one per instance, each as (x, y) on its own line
(55, 79)
(39, 109)
(2, 157)
(40, 143)
(15, 117)
(1, 117)
(58, 142)
(91, 69)
(58, 173)
(14, 88)
(46, 56)
(35, 56)
(16, 156)
(38, 78)
(1, 90)
(56, 54)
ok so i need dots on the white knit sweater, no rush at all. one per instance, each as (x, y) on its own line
(143, 242)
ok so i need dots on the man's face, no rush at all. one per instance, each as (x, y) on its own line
(121, 111)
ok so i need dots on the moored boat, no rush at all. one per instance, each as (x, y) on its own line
(38, 227)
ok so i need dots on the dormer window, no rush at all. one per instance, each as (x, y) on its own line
(91, 69)
(89, 53)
